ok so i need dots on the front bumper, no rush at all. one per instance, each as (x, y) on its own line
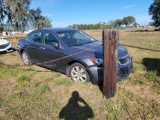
(7, 49)
(123, 71)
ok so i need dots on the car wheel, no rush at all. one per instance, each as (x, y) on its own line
(25, 58)
(78, 73)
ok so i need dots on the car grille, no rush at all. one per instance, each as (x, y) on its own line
(124, 60)
(4, 46)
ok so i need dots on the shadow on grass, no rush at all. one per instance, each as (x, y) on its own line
(152, 64)
(76, 109)
(108, 93)
(14, 49)
(100, 86)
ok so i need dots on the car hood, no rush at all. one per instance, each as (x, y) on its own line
(3, 41)
(98, 51)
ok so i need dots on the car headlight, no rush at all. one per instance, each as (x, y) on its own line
(7, 44)
(96, 61)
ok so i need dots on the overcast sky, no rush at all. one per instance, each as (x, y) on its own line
(68, 12)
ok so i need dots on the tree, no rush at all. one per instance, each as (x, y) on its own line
(136, 24)
(17, 12)
(20, 16)
(129, 20)
(118, 22)
(151, 23)
(111, 24)
(102, 25)
(38, 21)
(1, 28)
(154, 10)
(3, 11)
(35, 17)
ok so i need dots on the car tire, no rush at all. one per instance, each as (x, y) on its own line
(78, 72)
(26, 58)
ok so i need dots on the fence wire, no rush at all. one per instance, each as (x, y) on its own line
(44, 63)
(140, 48)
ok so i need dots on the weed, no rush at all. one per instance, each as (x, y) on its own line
(23, 78)
(16, 65)
(37, 83)
(29, 69)
(13, 54)
(152, 76)
(63, 82)
(138, 67)
(44, 89)
(49, 79)
(57, 75)
(113, 113)
(16, 95)
(5, 73)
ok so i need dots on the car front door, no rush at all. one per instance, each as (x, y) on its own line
(51, 55)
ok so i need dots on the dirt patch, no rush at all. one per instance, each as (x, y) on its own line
(20, 35)
(142, 91)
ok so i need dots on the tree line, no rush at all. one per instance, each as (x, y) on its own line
(129, 20)
(19, 15)
(154, 10)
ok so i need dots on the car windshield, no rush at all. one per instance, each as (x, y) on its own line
(75, 38)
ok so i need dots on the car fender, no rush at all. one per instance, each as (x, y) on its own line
(83, 61)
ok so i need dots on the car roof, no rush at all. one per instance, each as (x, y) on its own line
(58, 29)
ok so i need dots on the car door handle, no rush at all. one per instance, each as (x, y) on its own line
(42, 48)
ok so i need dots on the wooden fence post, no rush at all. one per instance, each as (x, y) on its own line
(110, 48)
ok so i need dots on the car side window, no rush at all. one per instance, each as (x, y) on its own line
(49, 38)
(35, 37)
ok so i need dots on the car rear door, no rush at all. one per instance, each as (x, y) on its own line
(34, 43)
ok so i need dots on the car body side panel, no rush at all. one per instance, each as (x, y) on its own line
(51, 57)
(60, 59)
(34, 51)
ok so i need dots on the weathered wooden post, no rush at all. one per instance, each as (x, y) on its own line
(110, 47)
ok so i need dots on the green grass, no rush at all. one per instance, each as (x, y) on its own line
(113, 112)
(44, 89)
(35, 93)
(152, 76)
(7, 73)
(12, 54)
(138, 68)
(65, 82)
(37, 83)
(23, 78)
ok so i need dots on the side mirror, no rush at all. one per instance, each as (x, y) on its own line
(55, 45)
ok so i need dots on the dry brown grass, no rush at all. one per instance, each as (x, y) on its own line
(27, 94)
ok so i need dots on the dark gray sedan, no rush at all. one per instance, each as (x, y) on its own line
(69, 51)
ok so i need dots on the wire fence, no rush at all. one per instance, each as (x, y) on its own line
(140, 48)
(45, 63)
(12, 67)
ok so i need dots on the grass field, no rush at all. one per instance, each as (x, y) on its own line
(35, 93)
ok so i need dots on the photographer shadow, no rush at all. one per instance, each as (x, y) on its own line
(76, 109)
